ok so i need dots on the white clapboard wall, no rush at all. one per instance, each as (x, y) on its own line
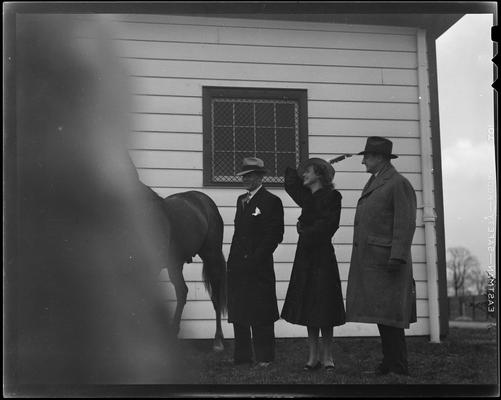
(360, 80)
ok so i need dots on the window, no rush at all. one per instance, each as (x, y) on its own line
(270, 124)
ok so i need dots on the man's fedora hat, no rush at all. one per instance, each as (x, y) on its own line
(379, 145)
(252, 164)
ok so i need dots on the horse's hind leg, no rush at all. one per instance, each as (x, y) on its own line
(219, 338)
(217, 278)
(177, 280)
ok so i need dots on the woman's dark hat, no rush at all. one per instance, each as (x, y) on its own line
(379, 145)
(252, 164)
(324, 166)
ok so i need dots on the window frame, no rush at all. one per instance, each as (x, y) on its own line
(211, 92)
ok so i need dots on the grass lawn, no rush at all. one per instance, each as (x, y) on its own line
(466, 356)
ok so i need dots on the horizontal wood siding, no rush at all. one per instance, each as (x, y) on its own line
(204, 310)
(360, 81)
(339, 127)
(185, 178)
(277, 24)
(198, 291)
(266, 55)
(317, 91)
(270, 72)
(192, 159)
(228, 196)
(317, 143)
(193, 271)
(316, 109)
(285, 252)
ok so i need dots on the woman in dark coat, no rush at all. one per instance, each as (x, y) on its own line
(314, 298)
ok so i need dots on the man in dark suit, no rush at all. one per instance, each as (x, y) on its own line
(381, 288)
(252, 301)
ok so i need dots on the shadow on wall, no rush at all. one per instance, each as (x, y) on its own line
(83, 294)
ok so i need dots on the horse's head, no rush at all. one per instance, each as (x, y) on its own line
(73, 92)
(85, 286)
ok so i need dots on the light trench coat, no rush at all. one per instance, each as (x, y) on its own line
(385, 222)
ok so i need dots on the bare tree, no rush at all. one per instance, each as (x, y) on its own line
(478, 279)
(461, 265)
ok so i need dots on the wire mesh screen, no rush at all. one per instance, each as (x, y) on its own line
(263, 128)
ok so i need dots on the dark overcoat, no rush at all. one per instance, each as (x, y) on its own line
(314, 296)
(385, 222)
(259, 228)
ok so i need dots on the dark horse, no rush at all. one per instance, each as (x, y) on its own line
(193, 225)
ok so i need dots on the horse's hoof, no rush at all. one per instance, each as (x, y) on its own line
(218, 348)
(218, 345)
(175, 330)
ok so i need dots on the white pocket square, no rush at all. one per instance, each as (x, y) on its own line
(256, 212)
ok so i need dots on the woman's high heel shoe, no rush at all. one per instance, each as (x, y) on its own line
(312, 367)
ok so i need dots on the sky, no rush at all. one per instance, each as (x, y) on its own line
(465, 76)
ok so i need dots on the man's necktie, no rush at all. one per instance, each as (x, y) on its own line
(246, 199)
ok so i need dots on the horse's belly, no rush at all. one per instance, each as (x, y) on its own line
(188, 232)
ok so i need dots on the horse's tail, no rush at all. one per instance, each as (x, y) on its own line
(214, 269)
(214, 277)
